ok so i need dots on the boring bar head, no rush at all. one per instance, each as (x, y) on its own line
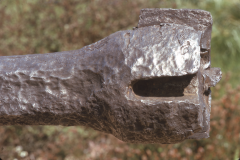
(147, 85)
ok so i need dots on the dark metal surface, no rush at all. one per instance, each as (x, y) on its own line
(147, 85)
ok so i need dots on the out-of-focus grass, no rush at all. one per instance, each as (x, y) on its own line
(28, 27)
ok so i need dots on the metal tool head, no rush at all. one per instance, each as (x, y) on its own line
(147, 85)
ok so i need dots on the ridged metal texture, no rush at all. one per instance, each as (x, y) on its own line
(147, 85)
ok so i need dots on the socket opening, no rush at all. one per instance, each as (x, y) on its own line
(175, 86)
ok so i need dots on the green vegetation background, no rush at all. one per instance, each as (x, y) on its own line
(31, 26)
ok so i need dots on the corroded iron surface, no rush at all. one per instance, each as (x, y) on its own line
(147, 85)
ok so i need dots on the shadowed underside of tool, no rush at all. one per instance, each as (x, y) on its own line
(147, 85)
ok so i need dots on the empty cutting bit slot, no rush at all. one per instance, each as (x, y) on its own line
(175, 86)
(203, 51)
(205, 58)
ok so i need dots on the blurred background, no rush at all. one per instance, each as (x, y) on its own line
(28, 27)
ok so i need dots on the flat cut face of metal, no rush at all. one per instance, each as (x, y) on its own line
(163, 50)
(147, 85)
